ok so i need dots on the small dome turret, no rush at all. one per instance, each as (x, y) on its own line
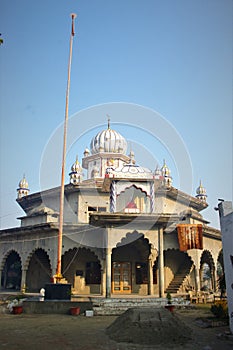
(76, 173)
(23, 189)
(166, 174)
(86, 152)
(132, 157)
(201, 193)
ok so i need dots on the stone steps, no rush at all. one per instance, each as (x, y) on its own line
(118, 306)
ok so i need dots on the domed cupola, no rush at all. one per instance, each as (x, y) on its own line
(86, 152)
(76, 173)
(23, 189)
(108, 141)
(201, 193)
(166, 174)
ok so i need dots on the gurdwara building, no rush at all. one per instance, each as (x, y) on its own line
(126, 230)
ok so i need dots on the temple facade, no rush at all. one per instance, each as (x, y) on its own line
(126, 230)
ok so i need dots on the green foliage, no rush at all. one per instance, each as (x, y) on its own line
(169, 298)
(219, 309)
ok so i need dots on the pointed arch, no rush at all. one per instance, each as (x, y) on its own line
(207, 271)
(12, 270)
(39, 270)
(82, 268)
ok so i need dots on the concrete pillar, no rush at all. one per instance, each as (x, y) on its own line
(214, 279)
(23, 281)
(1, 274)
(108, 272)
(161, 263)
(150, 276)
(197, 278)
(103, 279)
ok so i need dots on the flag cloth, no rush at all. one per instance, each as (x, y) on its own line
(190, 236)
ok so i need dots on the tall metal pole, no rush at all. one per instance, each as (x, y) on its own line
(58, 275)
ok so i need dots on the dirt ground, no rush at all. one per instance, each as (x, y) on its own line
(66, 332)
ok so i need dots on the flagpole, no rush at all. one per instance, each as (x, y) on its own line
(58, 276)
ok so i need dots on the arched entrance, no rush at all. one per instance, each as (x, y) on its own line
(130, 261)
(39, 271)
(177, 266)
(81, 268)
(207, 272)
(12, 272)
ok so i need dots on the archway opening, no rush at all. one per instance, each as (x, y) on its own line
(82, 269)
(39, 271)
(130, 265)
(12, 272)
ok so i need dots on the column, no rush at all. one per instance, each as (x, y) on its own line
(150, 276)
(23, 281)
(108, 272)
(214, 279)
(197, 278)
(1, 273)
(113, 197)
(161, 263)
(103, 279)
(152, 197)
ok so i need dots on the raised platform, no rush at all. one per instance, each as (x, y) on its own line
(99, 305)
(54, 306)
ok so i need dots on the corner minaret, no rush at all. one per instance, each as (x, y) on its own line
(166, 174)
(201, 193)
(23, 189)
(76, 173)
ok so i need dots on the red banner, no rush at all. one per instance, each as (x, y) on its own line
(190, 236)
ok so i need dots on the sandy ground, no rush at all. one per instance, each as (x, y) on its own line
(65, 332)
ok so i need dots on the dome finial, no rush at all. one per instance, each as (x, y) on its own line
(23, 189)
(108, 121)
(201, 192)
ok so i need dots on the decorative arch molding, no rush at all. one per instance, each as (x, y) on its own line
(130, 237)
(11, 270)
(29, 257)
(220, 258)
(122, 187)
(38, 270)
(176, 252)
(140, 243)
(206, 257)
(82, 268)
(83, 248)
(7, 255)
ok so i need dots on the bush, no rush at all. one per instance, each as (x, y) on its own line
(219, 309)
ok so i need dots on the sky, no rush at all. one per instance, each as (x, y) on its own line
(162, 70)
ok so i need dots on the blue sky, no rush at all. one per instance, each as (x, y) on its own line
(170, 56)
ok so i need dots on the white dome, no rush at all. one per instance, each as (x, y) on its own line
(109, 141)
(201, 190)
(23, 184)
(76, 167)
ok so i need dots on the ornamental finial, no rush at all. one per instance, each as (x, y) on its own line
(108, 121)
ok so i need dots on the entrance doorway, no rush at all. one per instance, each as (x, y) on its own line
(121, 281)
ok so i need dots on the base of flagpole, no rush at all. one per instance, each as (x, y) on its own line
(57, 291)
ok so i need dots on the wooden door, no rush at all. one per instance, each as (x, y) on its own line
(121, 280)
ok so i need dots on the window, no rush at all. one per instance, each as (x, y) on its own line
(141, 273)
(93, 273)
(101, 209)
(141, 269)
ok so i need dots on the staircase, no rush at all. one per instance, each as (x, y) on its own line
(116, 306)
(179, 277)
